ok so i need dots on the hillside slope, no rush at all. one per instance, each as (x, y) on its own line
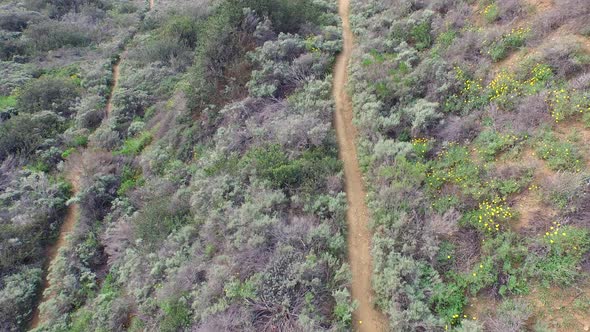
(294, 165)
(473, 121)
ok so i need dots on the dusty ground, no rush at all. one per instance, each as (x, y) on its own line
(365, 317)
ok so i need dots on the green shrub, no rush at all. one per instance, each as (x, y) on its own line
(185, 28)
(491, 216)
(420, 35)
(81, 321)
(22, 134)
(130, 178)
(286, 15)
(505, 89)
(134, 145)
(490, 143)
(560, 155)
(80, 141)
(448, 300)
(51, 35)
(7, 101)
(343, 309)
(564, 103)
(539, 78)
(446, 38)
(471, 96)
(508, 42)
(455, 166)
(271, 163)
(17, 298)
(491, 13)
(48, 94)
(567, 246)
(67, 152)
(156, 220)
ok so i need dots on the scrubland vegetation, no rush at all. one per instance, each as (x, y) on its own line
(473, 134)
(211, 196)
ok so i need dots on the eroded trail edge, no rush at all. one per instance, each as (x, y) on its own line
(365, 317)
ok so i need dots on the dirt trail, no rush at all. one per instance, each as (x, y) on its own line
(151, 4)
(366, 317)
(116, 73)
(73, 175)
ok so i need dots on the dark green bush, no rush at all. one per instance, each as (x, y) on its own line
(156, 220)
(286, 15)
(48, 94)
(51, 35)
(22, 134)
(177, 316)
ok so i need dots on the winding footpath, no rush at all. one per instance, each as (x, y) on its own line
(116, 73)
(365, 317)
(73, 172)
(73, 175)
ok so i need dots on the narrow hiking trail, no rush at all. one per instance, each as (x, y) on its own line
(66, 228)
(73, 173)
(116, 73)
(365, 317)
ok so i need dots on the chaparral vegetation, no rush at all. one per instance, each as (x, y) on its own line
(173, 165)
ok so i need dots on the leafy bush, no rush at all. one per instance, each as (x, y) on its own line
(177, 315)
(564, 104)
(48, 94)
(156, 220)
(17, 297)
(51, 35)
(287, 15)
(130, 178)
(560, 155)
(24, 133)
(565, 247)
(499, 48)
(491, 12)
(490, 143)
(33, 204)
(449, 300)
(7, 102)
(271, 163)
(134, 145)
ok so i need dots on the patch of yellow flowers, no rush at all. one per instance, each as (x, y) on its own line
(420, 144)
(560, 102)
(504, 84)
(492, 213)
(553, 232)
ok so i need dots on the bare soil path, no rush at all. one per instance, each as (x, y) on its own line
(73, 175)
(365, 317)
(116, 73)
